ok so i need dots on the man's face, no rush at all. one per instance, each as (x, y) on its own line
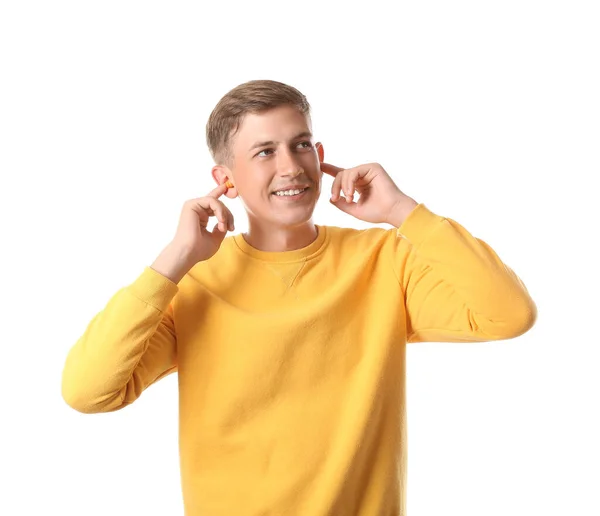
(274, 150)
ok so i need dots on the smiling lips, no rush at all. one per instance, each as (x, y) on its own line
(291, 196)
(292, 187)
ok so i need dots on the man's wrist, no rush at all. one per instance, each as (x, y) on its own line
(401, 210)
(172, 263)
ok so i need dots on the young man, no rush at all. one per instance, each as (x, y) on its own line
(289, 341)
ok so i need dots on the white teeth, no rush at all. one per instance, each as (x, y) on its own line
(289, 192)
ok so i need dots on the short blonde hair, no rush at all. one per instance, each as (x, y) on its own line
(250, 97)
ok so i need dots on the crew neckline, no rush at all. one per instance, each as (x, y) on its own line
(296, 255)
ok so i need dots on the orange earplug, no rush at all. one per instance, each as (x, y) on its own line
(229, 184)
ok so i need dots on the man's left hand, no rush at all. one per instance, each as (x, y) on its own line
(380, 200)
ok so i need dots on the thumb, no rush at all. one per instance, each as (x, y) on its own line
(217, 235)
(345, 206)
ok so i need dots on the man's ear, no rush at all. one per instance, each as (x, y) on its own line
(221, 174)
(320, 152)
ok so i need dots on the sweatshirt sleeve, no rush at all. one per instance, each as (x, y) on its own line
(127, 347)
(456, 288)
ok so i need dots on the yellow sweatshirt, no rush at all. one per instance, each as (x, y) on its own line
(291, 365)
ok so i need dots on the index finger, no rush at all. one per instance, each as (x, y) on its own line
(218, 191)
(332, 170)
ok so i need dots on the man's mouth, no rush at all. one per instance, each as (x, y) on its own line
(292, 194)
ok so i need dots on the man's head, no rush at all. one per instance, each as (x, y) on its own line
(259, 135)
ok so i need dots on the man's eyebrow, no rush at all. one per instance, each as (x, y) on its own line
(304, 134)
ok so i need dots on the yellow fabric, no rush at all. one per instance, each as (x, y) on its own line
(291, 365)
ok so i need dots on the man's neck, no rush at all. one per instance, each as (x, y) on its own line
(281, 238)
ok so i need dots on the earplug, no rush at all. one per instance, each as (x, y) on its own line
(229, 184)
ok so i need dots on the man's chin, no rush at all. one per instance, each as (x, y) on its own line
(289, 214)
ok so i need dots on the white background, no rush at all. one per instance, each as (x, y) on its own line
(487, 112)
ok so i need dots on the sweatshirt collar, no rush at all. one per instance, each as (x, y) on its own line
(303, 254)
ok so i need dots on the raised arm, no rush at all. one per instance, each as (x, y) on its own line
(132, 343)
(456, 287)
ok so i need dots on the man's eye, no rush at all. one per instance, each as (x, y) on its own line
(301, 143)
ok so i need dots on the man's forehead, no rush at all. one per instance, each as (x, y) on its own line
(274, 119)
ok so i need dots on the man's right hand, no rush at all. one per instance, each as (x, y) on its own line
(192, 236)
(193, 242)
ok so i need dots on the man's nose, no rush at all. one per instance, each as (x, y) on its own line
(288, 164)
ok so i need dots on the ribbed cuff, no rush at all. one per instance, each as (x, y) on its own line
(419, 224)
(154, 288)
